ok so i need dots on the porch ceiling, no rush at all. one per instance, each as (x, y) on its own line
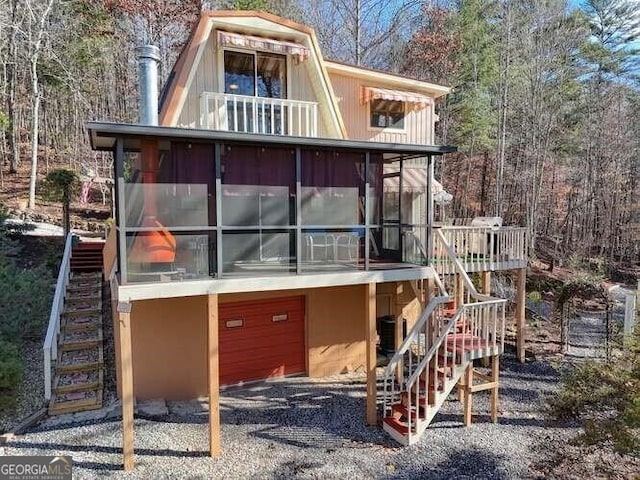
(103, 136)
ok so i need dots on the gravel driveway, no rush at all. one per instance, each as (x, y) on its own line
(314, 428)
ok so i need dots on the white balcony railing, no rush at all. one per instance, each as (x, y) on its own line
(482, 248)
(247, 114)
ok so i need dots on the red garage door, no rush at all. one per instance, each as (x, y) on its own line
(261, 339)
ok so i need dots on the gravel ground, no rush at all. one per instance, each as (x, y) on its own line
(314, 428)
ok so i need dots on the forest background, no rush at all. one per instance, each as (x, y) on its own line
(545, 108)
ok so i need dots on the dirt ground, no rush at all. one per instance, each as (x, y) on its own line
(14, 193)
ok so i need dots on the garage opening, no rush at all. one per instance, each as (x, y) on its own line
(261, 339)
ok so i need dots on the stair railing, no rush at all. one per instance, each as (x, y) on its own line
(454, 346)
(488, 310)
(50, 347)
(416, 341)
(476, 329)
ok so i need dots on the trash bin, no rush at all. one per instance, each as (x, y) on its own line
(387, 333)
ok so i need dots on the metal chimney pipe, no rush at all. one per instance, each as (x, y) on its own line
(148, 59)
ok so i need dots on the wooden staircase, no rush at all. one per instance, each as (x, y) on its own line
(78, 379)
(437, 355)
(87, 257)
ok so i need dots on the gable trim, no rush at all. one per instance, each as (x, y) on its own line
(177, 93)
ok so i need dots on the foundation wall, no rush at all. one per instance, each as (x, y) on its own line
(169, 338)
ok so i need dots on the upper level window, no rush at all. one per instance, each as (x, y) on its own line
(387, 113)
(255, 74)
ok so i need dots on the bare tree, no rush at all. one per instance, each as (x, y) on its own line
(38, 15)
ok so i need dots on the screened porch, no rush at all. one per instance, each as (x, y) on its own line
(197, 205)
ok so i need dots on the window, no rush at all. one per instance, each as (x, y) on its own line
(387, 114)
(255, 74)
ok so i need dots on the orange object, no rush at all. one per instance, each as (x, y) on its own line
(261, 339)
(153, 247)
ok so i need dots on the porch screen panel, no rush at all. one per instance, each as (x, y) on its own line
(258, 209)
(258, 187)
(332, 188)
(170, 217)
(332, 210)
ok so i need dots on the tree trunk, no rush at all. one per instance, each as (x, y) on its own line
(66, 211)
(35, 54)
(12, 80)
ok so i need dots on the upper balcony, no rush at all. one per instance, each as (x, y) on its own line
(263, 115)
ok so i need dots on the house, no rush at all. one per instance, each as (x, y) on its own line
(279, 219)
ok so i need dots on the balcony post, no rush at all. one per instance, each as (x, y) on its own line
(430, 217)
(367, 215)
(120, 209)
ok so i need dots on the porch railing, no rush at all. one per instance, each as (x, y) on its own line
(482, 248)
(437, 338)
(248, 114)
(50, 347)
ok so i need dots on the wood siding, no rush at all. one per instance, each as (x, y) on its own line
(301, 86)
(419, 125)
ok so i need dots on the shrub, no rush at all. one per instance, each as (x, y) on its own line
(606, 397)
(10, 372)
(25, 300)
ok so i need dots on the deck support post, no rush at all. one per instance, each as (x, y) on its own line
(520, 313)
(485, 282)
(459, 290)
(213, 375)
(468, 396)
(461, 388)
(495, 378)
(126, 378)
(371, 357)
(399, 320)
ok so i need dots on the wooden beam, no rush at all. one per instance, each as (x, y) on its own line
(459, 290)
(468, 397)
(485, 282)
(398, 337)
(495, 376)
(126, 377)
(428, 286)
(370, 339)
(520, 313)
(213, 376)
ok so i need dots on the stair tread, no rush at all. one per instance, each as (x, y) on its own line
(82, 306)
(397, 425)
(85, 275)
(83, 283)
(81, 380)
(66, 402)
(87, 321)
(77, 338)
(79, 359)
(404, 411)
